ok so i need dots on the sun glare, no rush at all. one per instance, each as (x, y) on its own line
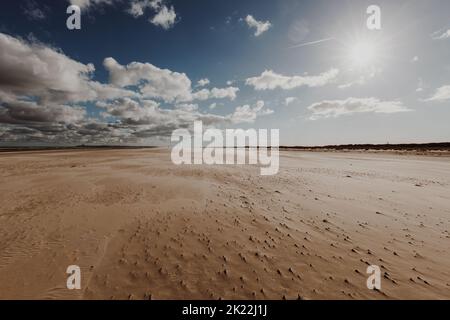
(362, 54)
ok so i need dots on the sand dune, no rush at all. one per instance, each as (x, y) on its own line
(142, 228)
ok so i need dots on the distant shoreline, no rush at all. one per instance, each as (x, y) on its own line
(417, 147)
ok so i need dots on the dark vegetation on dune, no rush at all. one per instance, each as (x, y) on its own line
(439, 146)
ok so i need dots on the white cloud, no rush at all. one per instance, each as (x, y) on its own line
(247, 113)
(224, 93)
(41, 91)
(35, 70)
(152, 81)
(336, 108)
(146, 118)
(348, 85)
(216, 93)
(415, 59)
(164, 84)
(289, 100)
(203, 82)
(212, 106)
(187, 107)
(269, 80)
(138, 7)
(441, 94)
(31, 68)
(165, 17)
(441, 35)
(260, 26)
(83, 4)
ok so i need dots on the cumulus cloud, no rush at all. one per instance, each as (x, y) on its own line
(187, 107)
(441, 94)
(128, 111)
(247, 113)
(20, 112)
(164, 84)
(270, 80)
(129, 121)
(216, 93)
(31, 68)
(203, 82)
(259, 26)
(83, 4)
(138, 7)
(153, 82)
(336, 108)
(25, 122)
(165, 17)
(147, 118)
(40, 89)
(35, 70)
(43, 95)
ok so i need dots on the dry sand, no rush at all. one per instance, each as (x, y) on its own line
(140, 227)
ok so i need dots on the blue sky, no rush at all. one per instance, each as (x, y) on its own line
(322, 93)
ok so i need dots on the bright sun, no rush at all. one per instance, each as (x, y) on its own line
(363, 54)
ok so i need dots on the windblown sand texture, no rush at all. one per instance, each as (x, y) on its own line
(142, 228)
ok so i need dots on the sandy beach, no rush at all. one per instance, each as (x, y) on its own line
(140, 227)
